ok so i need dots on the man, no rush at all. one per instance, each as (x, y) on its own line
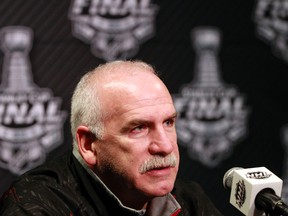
(125, 156)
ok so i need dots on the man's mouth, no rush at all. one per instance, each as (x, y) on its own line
(159, 171)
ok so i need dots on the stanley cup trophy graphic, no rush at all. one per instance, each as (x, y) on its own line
(16, 75)
(30, 120)
(206, 44)
(212, 115)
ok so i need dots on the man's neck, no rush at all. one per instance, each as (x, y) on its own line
(137, 208)
(128, 197)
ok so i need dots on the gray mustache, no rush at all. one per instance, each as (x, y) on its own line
(158, 162)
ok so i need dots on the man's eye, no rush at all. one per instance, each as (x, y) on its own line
(139, 131)
(169, 122)
(139, 128)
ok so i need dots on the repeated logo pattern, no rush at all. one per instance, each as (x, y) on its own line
(272, 25)
(30, 120)
(115, 29)
(212, 115)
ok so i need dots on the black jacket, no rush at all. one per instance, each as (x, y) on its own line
(64, 187)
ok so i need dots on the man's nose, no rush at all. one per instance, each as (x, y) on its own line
(162, 142)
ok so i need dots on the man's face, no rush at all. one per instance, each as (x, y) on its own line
(140, 129)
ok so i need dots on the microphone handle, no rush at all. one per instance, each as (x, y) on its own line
(267, 201)
(281, 209)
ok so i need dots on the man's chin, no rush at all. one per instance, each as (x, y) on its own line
(160, 190)
(157, 186)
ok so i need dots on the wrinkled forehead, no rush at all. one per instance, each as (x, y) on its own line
(157, 102)
(139, 101)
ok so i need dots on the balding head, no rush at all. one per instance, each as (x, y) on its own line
(102, 91)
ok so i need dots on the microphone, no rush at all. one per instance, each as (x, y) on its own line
(255, 191)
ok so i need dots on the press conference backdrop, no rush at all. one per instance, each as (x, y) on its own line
(225, 63)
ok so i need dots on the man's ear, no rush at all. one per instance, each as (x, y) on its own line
(85, 140)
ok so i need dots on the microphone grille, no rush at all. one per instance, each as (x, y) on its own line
(228, 177)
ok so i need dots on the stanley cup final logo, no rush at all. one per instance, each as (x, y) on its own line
(30, 120)
(115, 29)
(212, 116)
(271, 18)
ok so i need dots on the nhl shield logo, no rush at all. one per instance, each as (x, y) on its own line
(30, 119)
(114, 29)
(272, 25)
(212, 116)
